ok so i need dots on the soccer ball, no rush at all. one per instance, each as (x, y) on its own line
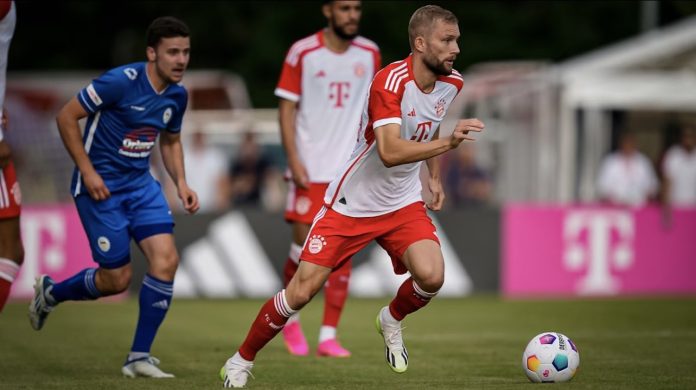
(550, 357)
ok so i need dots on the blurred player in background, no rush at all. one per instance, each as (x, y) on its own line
(378, 197)
(322, 89)
(11, 249)
(127, 108)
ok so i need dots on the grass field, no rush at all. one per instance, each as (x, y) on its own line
(473, 343)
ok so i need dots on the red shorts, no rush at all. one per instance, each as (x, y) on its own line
(303, 205)
(10, 194)
(335, 237)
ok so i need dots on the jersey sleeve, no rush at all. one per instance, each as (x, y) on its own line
(290, 84)
(174, 125)
(384, 105)
(103, 91)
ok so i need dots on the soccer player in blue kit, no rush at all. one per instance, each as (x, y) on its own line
(127, 108)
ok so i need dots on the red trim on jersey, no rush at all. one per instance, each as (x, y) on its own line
(455, 79)
(340, 183)
(291, 76)
(376, 56)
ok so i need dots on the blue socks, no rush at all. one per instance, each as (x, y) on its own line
(79, 287)
(155, 298)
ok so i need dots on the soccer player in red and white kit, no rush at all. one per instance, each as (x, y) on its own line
(378, 194)
(322, 90)
(11, 249)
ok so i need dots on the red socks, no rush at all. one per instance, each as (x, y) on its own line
(408, 299)
(270, 320)
(335, 294)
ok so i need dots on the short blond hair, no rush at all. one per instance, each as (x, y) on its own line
(423, 20)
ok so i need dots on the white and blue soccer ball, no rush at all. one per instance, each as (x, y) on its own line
(550, 357)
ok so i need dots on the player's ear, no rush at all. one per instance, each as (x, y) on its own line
(151, 54)
(419, 43)
(326, 10)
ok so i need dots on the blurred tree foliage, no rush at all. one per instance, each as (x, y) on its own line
(252, 37)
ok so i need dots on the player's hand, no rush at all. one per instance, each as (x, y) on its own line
(95, 186)
(438, 195)
(189, 198)
(299, 174)
(462, 129)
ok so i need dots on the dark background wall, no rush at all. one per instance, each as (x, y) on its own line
(251, 37)
(473, 233)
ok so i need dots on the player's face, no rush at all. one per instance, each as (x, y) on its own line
(344, 18)
(171, 57)
(442, 47)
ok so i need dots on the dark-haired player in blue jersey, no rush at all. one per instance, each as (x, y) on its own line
(127, 108)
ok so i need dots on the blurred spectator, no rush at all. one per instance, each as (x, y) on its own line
(626, 176)
(248, 173)
(466, 183)
(679, 171)
(205, 169)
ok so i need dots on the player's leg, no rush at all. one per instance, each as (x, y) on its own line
(331, 242)
(272, 317)
(107, 231)
(11, 256)
(413, 246)
(335, 296)
(11, 249)
(294, 338)
(301, 207)
(152, 228)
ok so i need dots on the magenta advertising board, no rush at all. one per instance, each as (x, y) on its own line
(54, 243)
(586, 250)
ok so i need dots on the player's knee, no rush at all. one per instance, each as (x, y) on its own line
(114, 281)
(165, 265)
(298, 297)
(431, 282)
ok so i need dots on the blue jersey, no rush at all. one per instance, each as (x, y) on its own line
(126, 115)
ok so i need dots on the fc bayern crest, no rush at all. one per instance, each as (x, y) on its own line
(167, 115)
(440, 108)
(359, 69)
(302, 205)
(316, 244)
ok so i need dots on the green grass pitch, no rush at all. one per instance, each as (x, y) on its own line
(471, 343)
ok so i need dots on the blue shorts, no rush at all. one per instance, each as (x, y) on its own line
(110, 224)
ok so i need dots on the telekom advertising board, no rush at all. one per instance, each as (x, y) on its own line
(597, 251)
(54, 243)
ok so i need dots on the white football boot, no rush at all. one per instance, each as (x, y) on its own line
(395, 350)
(39, 308)
(235, 374)
(146, 367)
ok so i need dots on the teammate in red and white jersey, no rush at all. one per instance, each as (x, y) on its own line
(11, 249)
(377, 195)
(322, 90)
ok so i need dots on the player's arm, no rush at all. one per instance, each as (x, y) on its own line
(393, 150)
(173, 158)
(287, 113)
(69, 128)
(434, 181)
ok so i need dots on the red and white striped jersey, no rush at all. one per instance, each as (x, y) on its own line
(331, 89)
(367, 188)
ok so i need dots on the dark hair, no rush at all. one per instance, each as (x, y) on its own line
(165, 27)
(423, 19)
